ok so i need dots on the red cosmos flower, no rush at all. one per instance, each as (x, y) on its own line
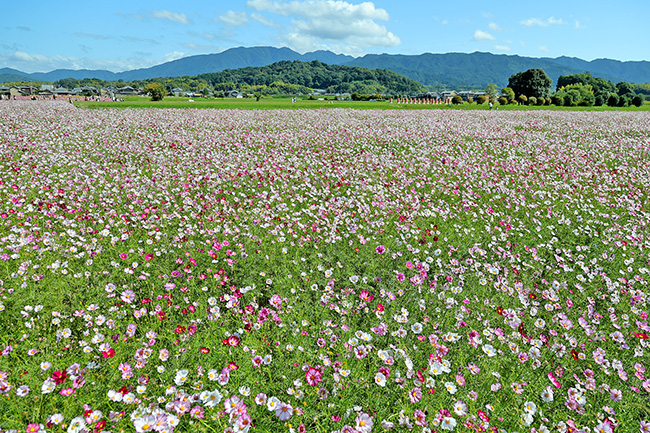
(380, 307)
(109, 353)
(233, 340)
(641, 336)
(59, 376)
(99, 426)
(124, 390)
(204, 350)
(483, 416)
(574, 354)
(233, 366)
(500, 311)
(148, 257)
(179, 329)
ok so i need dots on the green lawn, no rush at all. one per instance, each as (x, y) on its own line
(285, 103)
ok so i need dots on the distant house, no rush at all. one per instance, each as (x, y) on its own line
(89, 90)
(467, 95)
(447, 94)
(25, 90)
(47, 87)
(62, 91)
(4, 90)
(177, 91)
(125, 91)
(234, 94)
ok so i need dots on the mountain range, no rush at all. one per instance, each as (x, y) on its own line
(437, 71)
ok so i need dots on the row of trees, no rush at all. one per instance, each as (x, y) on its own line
(533, 87)
(285, 77)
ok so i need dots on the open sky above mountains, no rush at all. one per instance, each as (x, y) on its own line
(123, 35)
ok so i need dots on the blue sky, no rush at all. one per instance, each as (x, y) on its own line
(38, 36)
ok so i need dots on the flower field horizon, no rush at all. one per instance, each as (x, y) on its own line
(178, 270)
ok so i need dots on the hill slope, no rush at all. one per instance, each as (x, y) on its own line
(451, 70)
(318, 75)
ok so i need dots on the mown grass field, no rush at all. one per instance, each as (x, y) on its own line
(285, 103)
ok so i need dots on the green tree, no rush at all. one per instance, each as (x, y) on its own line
(522, 99)
(157, 91)
(491, 92)
(456, 100)
(637, 101)
(612, 100)
(624, 88)
(509, 94)
(533, 82)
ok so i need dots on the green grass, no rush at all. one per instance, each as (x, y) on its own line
(285, 103)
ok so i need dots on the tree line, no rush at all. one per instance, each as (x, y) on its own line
(284, 77)
(533, 87)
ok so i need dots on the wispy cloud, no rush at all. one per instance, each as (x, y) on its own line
(137, 39)
(480, 35)
(543, 48)
(502, 48)
(579, 25)
(204, 35)
(233, 18)
(91, 36)
(494, 26)
(542, 23)
(172, 16)
(262, 19)
(35, 62)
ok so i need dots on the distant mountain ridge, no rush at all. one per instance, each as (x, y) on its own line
(450, 70)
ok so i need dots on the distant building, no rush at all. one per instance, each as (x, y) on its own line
(62, 91)
(177, 91)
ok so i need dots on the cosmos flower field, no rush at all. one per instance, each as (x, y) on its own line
(323, 270)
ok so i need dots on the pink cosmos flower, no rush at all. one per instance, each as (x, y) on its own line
(415, 395)
(364, 423)
(313, 376)
(284, 411)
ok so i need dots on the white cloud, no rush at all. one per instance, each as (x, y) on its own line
(542, 23)
(502, 48)
(480, 35)
(494, 26)
(543, 48)
(174, 55)
(172, 16)
(579, 26)
(34, 62)
(326, 24)
(234, 18)
(262, 19)
(26, 57)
